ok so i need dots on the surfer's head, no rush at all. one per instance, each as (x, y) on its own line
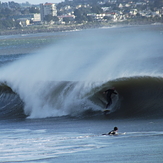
(115, 128)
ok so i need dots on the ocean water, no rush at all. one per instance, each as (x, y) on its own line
(52, 101)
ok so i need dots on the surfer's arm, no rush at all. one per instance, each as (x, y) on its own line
(115, 93)
(106, 91)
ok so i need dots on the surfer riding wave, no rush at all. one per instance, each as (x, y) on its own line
(109, 93)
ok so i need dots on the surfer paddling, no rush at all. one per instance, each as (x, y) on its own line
(109, 93)
(113, 132)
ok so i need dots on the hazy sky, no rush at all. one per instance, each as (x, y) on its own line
(33, 1)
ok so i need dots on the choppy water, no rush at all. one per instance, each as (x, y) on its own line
(80, 140)
(63, 78)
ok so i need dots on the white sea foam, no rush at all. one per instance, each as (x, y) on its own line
(29, 145)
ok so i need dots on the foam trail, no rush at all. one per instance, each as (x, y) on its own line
(89, 56)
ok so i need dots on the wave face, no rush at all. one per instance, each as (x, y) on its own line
(140, 96)
(11, 106)
(68, 77)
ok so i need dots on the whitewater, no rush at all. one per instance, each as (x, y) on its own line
(52, 101)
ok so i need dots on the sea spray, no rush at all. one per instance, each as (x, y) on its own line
(90, 56)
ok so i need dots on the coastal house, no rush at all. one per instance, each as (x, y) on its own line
(133, 12)
(120, 5)
(156, 13)
(66, 19)
(67, 7)
(36, 18)
(23, 22)
(78, 6)
(100, 16)
(105, 9)
(127, 5)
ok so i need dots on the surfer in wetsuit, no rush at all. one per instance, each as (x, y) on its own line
(108, 93)
(114, 131)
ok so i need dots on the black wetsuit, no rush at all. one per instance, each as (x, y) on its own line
(109, 92)
(113, 132)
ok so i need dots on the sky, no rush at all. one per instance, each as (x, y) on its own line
(33, 1)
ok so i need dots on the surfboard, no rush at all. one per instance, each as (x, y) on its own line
(106, 111)
(123, 133)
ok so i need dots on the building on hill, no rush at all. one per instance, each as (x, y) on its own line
(35, 18)
(47, 9)
(23, 22)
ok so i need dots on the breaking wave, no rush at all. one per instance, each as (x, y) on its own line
(137, 97)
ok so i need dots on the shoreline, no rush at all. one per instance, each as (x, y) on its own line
(48, 29)
(70, 27)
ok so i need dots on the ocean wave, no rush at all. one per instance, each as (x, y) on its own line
(139, 96)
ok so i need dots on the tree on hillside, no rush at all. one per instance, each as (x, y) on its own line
(34, 10)
(49, 18)
(55, 19)
(81, 14)
(68, 19)
(107, 18)
(14, 5)
(86, 1)
(82, 11)
(158, 3)
(8, 24)
(96, 9)
(77, 12)
(6, 12)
